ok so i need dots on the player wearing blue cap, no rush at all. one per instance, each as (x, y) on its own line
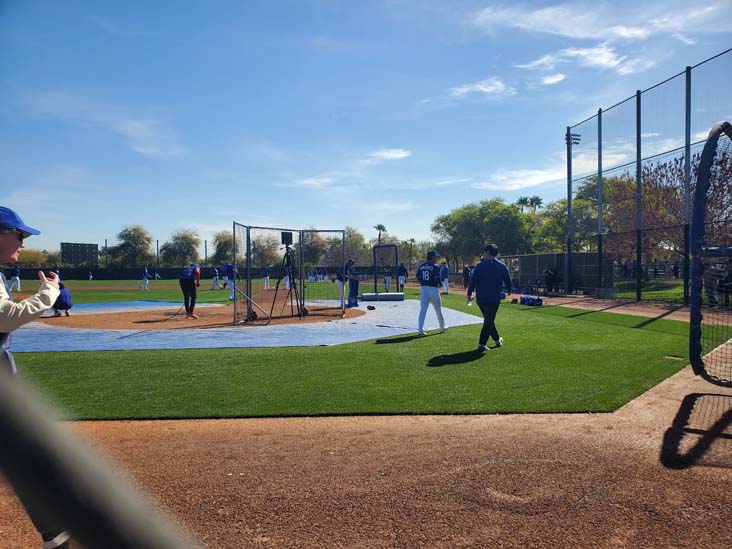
(445, 276)
(428, 275)
(12, 316)
(488, 278)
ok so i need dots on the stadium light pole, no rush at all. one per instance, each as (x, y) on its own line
(571, 139)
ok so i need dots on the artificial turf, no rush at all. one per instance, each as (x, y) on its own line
(555, 359)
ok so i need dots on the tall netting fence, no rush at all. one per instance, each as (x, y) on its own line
(631, 181)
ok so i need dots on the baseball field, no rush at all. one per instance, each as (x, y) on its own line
(586, 428)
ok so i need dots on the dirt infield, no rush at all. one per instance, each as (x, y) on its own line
(174, 319)
(653, 474)
(656, 473)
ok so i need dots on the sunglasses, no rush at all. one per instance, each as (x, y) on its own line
(20, 234)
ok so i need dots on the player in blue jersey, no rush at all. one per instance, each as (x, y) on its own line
(190, 279)
(15, 280)
(402, 273)
(487, 280)
(445, 276)
(343, 276)
(145, 278)
(215, 284)
(428, 275)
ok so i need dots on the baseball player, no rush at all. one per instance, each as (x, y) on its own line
(343, 276)
(190, 279)
(445, 276)
(228, 271)
(428, 275)
(402, 274)
(145, 278)
(487, 279)
(215, 284)
(12, 316)
(15, 280)
(266, 273)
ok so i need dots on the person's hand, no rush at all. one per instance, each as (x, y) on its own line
(52, 278)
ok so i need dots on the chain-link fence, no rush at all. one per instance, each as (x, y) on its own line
(630, 173)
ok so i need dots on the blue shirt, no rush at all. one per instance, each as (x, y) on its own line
(16, 271)
(189, 273)
(226, 270)
(428, 274)
(444, 272)
(63, 301)
(488, 279)
(344, 273)
(402, 271)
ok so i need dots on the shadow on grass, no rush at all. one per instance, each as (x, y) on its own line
(702, 420)
(456, 358)
(400, 339)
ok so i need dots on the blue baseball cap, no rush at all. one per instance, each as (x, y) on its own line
(432, 253)
(11, 220)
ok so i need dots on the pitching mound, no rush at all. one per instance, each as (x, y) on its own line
(172, 319)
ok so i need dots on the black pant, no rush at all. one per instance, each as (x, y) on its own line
(189, 293)
(489, 311)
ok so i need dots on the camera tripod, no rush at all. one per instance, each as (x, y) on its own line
(293, 295)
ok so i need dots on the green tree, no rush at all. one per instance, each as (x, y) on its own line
(133, 249)
(181, 249)
(265, 250)
(314, 248)
(223, 247)
(356, 247)
(32, 258)
(464, 231)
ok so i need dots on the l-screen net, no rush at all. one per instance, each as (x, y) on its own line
(710, 341)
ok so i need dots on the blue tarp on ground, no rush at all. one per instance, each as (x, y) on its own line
(387, 319)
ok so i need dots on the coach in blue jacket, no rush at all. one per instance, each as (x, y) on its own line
(488, 279)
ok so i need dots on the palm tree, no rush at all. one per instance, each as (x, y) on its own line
(535, 202)
(523, 201)
(381, 229)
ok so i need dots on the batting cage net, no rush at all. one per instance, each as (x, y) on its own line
(710, 336)
(323, 253)
(286, 273)
(384, 267)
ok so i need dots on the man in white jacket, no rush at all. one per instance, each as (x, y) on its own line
(12, 316)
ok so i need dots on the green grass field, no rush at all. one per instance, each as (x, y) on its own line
(555, 360)
(666, 289)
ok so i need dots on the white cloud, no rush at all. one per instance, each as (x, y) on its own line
(552, 79)
(603, 56)
(145, 135)
(513, 180)
(603, 21)
(683, 38)
(570, 20)
(493, 86)
(390, 154)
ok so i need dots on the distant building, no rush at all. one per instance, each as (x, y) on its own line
(78, 254)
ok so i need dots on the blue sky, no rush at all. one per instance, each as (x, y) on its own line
(191, 114)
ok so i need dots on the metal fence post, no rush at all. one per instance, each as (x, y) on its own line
(568, 256)
(687, 185)
(600, 274)
(638, 198)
